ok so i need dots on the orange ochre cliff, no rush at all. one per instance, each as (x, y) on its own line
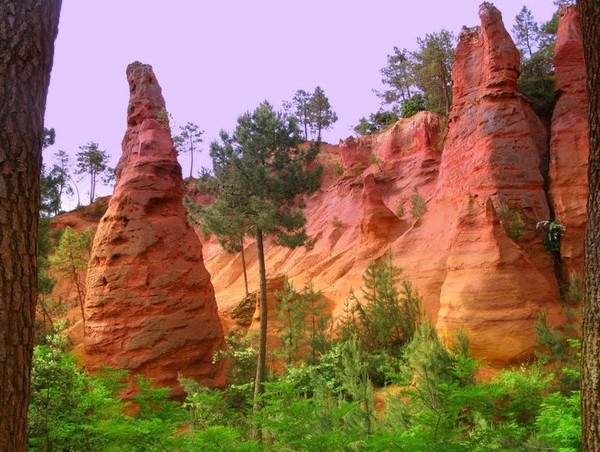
(456, 201)
(475, 254)
(150, 305)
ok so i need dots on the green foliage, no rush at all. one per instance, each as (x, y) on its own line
(93, 162)
(49, 137)
(312, 111)
(71, 258)
(329, 404)
(511, 221)
(398, 75)
(53, 184)
(535, 42)
(573, 292)
(413, 105)
(241, 356)
(376, 122)
(321, 116)
(559, 423)
(164, 118)
(336, 222)
(303, 324)
(261, 173)
(433, 69)
(559, 351)
(419, 80)
(387, 315)
(418, 206)
(71, 411)
(190, 136)
(338, 170)
(552, 232)
(400, 211)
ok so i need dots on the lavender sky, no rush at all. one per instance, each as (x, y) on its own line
(218, 59)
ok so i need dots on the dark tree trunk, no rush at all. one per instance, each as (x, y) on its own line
(244, 267)
(590, 352)
(27, 32)
(262, 342)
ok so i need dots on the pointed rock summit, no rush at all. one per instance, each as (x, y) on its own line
(150, 305)
(498, 274)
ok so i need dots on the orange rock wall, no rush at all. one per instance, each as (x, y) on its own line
(475, 255)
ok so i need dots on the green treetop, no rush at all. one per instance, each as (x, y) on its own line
(93, 162)
(189, 140)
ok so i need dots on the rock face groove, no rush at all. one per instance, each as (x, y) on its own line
(150, 305)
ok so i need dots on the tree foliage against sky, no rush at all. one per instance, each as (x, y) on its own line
(312, 111)
(535, 41)
(93, 162)
(188, 141)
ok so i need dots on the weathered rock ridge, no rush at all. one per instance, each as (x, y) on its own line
(150, 304)
(569, 148)
(474, 254)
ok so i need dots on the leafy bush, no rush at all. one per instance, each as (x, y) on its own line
(418, 206)
(413, 105)
(511, 221)
(388, 316)
(552, 232)
(304, 324)
(559, 422)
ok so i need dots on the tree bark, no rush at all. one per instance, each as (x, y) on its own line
(590, 353)
(262, 343)
(244, 267)
(27, 32)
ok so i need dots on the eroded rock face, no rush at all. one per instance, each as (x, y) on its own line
(569, 148)
(150, 305)
(498, 275)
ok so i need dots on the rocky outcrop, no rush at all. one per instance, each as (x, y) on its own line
(498, 275)
(150, 305)
(471, 250)
(569, 148)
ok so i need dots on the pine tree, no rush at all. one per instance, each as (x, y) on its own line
(589, 11)
(321, 116)
(433, 69)
(262, 174)
(189, 138)
(398, 75)
(71, 258)
(301, 109)
(27, 32)
(93, 162)
(386, 316)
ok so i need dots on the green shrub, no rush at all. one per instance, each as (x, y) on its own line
(559, 423)
(418, 206)
(400, 208)
(388, 313)
(552, 232)
(511, 221)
